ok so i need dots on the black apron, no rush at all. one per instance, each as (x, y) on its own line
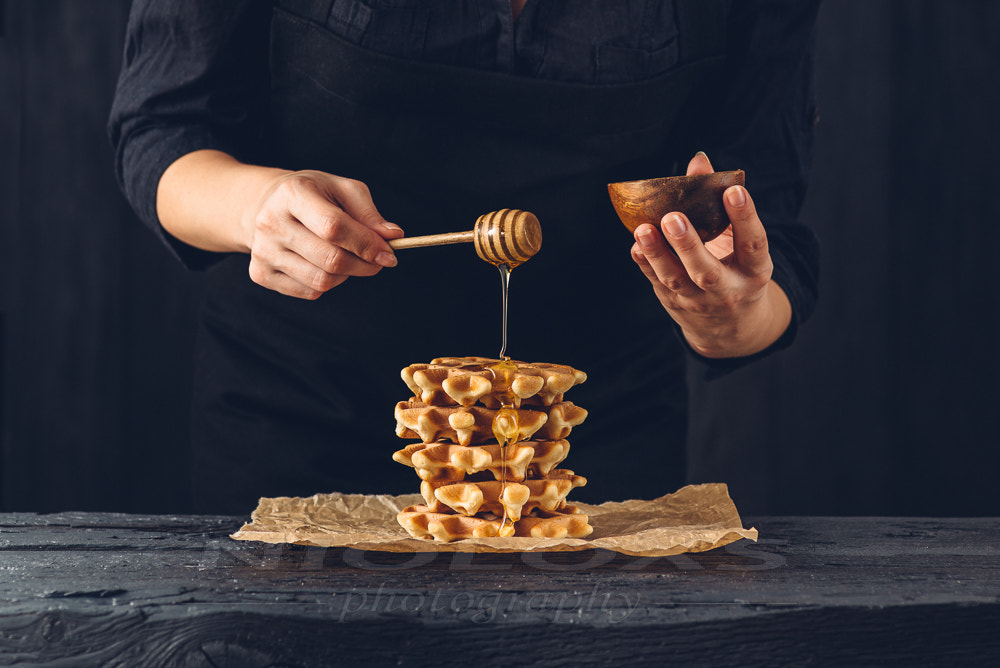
(295, 397)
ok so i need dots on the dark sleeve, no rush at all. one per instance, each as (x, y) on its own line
(761, 120)
(194, 76)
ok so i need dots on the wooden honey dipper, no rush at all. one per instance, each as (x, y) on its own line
(507, 236)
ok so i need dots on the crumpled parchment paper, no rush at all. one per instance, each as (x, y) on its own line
(693, 519)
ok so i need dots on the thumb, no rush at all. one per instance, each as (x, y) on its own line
(700, 164)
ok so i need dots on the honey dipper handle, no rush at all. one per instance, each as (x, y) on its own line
(433, 240)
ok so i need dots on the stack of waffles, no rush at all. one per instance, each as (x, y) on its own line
(492, 433)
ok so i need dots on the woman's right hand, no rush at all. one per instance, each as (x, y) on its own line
(306, 232)
(312, 230)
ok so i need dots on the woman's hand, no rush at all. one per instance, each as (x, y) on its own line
(312, 230)
(306, 232)
(720, 293)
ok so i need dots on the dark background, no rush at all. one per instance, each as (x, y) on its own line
(885, 406)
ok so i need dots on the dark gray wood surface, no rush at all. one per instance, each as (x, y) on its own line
(114, 589)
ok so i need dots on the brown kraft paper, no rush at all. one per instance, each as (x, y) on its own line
(693, 519)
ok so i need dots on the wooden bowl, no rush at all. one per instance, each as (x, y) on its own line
(698, 197)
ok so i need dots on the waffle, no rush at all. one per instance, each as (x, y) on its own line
(443, 462)
(465, 425)
(468, 497)
(562, 418)
(471, 483)
(464, 381)
(422, 522)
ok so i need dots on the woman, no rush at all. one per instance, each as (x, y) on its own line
(272, 143)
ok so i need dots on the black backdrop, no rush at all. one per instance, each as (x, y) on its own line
(886, 405)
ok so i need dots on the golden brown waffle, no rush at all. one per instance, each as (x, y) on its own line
(421, 522)
(442, 462)
(470, 483)
(465, 425)
(562, 418)
(468, 497)
(464, 381)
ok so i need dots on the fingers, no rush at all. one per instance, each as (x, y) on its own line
(689, 269)
(290, 238)
(311, 205)
(750, 248)
(314, 230)
(703, 269)
(692, 267)
(658, 262)
(700, 164)
(298, 279)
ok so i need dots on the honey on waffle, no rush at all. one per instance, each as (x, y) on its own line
(472, 425)
(507, 431)
(464, 381)
(472, 496)
(442, 462)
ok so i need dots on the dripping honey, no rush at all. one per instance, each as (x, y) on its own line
(506, 425)
(506, 429)
(505, 270)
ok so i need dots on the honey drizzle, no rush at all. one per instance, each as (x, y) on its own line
(505, 289)
(506, 429)
(506, 425)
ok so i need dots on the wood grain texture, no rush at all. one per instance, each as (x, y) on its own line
(126, 590)
(433, 240)
(699, 197)
(507, 236)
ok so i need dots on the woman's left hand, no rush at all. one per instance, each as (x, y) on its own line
(720, 293)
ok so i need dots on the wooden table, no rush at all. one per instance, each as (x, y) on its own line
(132, 590)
